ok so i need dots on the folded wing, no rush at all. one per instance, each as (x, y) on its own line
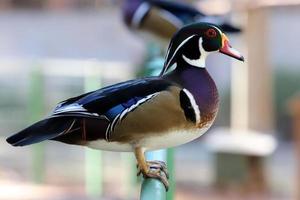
(90, 116)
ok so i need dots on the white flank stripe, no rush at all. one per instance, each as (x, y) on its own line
(107, 133)
(139, 102)
(114, 122)
(110, 128)
(194, 105)
(139, 14)
(120, 116)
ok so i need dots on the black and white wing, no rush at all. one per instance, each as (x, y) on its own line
(91, 116)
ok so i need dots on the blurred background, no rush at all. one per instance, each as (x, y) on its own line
(54, 49)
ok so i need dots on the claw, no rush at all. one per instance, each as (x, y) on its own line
(157, 170)
(157, 174)
(159, 165)
(155, 164)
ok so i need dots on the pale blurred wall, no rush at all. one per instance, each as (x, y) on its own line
(284, 38)
(83, 35)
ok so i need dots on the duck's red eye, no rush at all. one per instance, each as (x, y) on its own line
(211, 33)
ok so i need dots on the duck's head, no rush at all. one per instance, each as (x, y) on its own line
(193, 43)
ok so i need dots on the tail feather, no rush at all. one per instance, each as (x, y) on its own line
(42, 130)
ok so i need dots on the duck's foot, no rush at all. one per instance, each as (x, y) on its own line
(156, 164)
(157, 170)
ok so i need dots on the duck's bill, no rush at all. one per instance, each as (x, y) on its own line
(228, 50)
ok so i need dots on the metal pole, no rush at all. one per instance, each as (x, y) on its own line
(35, 110)
(93, 158)
(171, 170)
(153, 189)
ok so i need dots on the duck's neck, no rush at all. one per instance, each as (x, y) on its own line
(200, 85)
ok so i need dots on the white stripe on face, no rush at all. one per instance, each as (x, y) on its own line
(200, 62)
(181, 44)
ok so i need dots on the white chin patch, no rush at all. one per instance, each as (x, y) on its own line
(200, 62)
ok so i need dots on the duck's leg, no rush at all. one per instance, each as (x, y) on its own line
(151, 169)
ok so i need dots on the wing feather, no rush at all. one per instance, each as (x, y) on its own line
(110, 101)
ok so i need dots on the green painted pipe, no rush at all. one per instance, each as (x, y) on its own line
(93, 158)
(153, 189)
(171, 170)
(35, 111)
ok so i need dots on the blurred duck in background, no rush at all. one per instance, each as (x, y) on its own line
(162, 18)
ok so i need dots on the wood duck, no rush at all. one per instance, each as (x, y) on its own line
(152, 15)
(144, 114)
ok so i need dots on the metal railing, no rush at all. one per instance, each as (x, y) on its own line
(154, 189)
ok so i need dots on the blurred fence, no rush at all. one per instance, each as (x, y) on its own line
(43, 84)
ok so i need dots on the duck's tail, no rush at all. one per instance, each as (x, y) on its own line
(43, 130)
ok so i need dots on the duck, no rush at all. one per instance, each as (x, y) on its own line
(170, 109)
(149, 16)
